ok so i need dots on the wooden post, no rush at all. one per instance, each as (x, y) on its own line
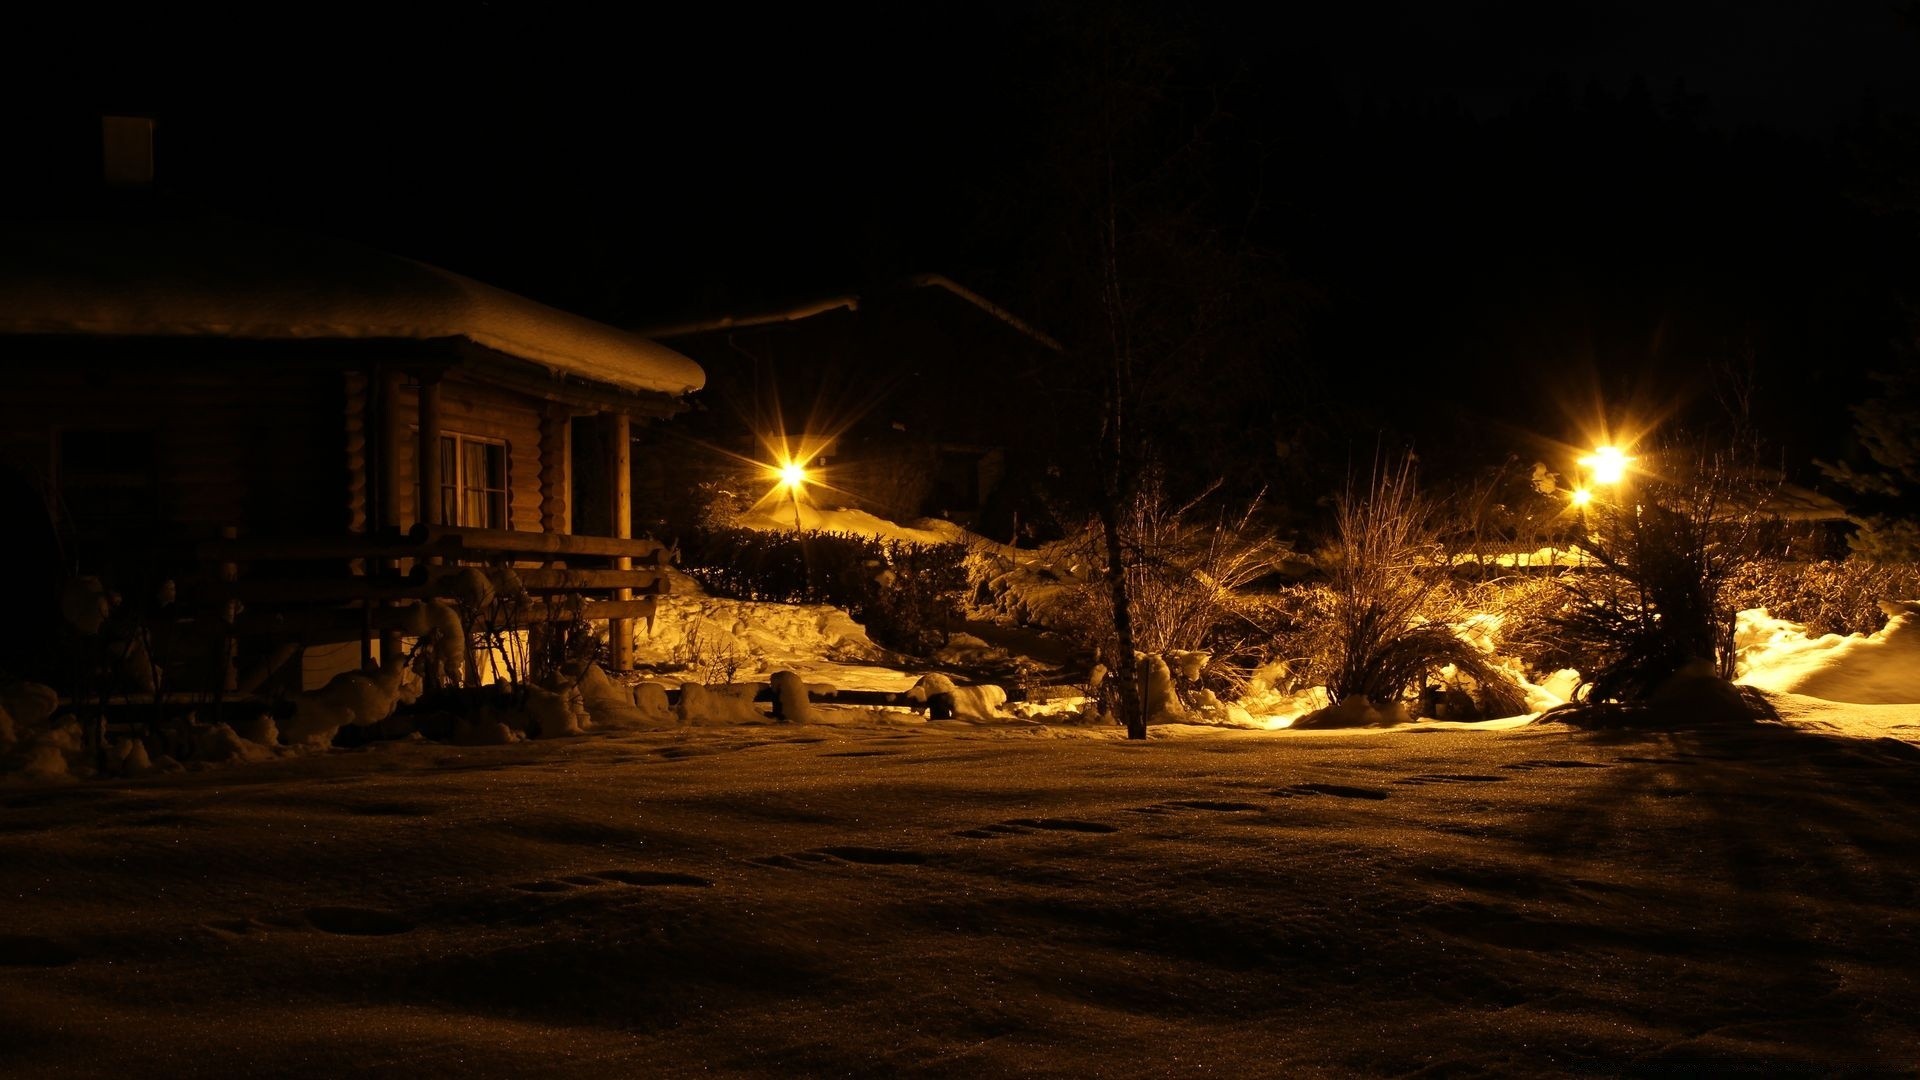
(229, 647)
(390, 429)
(620, 501)
(426, 470)
(388, 434)
(556, 470)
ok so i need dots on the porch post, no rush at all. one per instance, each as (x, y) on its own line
(427, 456)
(556, 469)
(385, 513)
(620, 501)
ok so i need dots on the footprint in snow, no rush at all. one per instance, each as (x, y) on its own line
(612, 877)
(1063, 825)
(356, 922)
(20, 950)
(1450, 778)
(1214, 805)
(1338, 791)
(861, 856)
(650, 877)
(1551, 763)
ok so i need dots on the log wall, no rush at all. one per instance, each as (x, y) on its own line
(469, 408)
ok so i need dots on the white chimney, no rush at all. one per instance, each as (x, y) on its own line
(126, 151)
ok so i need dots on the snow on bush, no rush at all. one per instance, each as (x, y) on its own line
(612, 705)
(976, 703)
(219, 743)
(790, 701)
(723, 705)
(551, 714)
(24, 710)
(353, 698)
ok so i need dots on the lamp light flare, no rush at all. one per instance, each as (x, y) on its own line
(1607, 464)
(793, 474)
(1581, 496)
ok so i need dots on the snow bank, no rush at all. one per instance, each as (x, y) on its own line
(771, 516)
(708, 636)
(1881, 668)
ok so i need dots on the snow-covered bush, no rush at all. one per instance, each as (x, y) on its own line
(349, 699)
(790, 702)
(719, 705)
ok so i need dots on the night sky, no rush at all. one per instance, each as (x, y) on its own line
(1517, 208)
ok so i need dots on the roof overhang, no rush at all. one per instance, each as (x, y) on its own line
(217, 278)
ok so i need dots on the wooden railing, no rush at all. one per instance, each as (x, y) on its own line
(374, 589)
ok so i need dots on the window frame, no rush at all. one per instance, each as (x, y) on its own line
(455, 485)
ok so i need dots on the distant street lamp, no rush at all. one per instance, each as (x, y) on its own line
(793, 477)
(1606, 465)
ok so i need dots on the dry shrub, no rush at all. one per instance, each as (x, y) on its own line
(1834, 596)
(1527, 606)
(1188, 566)
(1387, 618)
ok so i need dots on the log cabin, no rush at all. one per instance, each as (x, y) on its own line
(190, 397)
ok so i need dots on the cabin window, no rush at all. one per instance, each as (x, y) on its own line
(107, 481)
(473, 482)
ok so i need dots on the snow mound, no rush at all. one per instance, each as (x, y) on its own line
(1882, 668)
(778, 517)
(708, 637)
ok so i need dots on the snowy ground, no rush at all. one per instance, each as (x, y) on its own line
(871, 893)
(866, 897)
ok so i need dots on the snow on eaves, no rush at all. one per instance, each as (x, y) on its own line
(213, 277)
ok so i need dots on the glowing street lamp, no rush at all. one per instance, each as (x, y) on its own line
(1607, 465)
(793, 477)
(1581, 497)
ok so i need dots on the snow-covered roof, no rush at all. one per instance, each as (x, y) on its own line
(215, 277)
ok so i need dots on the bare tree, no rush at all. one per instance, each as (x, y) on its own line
(1141, 261)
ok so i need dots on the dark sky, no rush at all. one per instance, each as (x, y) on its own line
(1475, 190)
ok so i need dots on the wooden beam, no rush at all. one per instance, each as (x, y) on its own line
(594, 610)
(536, 381)
(542, 579)
(461, 542)
(315, 625)
(392, 544)
(338, 590)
